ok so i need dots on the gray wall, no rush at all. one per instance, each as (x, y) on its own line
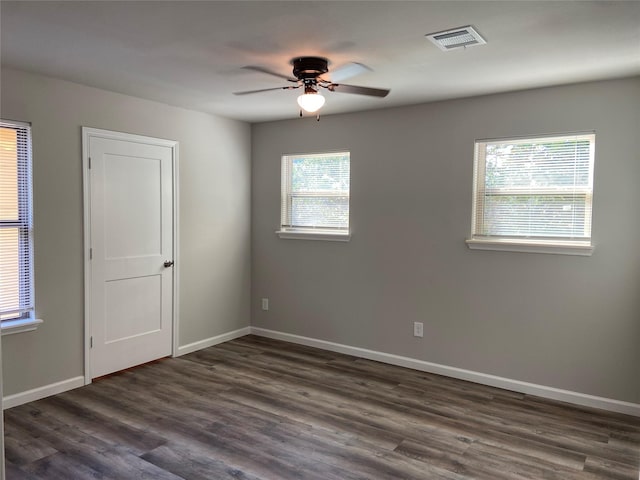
(561, 321)
(214, 174)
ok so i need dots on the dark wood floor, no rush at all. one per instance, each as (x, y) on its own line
(255, 409)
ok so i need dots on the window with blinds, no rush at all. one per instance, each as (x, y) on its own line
(16, 250)
(534, 190)
(315, 193)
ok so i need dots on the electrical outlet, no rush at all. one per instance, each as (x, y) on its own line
(418, 329)
(265, 304)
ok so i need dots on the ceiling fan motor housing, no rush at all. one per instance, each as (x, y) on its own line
(309, 67)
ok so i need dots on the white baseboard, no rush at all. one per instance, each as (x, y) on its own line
(210, 342)
(71, 383)
(42, 392)
(552, 393)
(477, 377)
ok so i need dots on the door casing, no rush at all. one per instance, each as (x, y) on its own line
(87, 134)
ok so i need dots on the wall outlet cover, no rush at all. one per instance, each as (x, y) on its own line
(418, 329)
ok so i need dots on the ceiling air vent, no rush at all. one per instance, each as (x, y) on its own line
(456, 38)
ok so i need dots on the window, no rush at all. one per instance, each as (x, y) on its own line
(16, 248)
(315, 196)
(534, 194)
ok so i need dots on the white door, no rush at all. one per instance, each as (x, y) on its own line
(131, 250)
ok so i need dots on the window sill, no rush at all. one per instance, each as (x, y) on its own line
(539, 246)
(10, 327)
(314, 235)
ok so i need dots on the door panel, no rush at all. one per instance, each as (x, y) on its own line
(133, 204)
(131, 229)
(134, 307)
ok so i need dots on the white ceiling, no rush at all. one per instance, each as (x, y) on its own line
(190, 54)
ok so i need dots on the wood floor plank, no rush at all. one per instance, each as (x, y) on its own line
(106, 428)
(80, 455)
(261, 409)
(194, 464)
(369, 412)
(22, 448)
(488, 461)
(14, 472)
(607, 468)
(109, 464)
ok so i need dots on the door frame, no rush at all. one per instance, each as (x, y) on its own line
(87, 134)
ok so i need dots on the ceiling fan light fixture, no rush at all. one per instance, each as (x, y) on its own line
(311, 101)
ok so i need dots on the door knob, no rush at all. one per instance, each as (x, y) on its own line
(168, 263)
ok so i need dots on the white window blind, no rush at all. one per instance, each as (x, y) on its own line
(534, 189)
(315, 192)
(16, 270)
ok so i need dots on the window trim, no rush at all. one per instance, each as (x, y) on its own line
(20, 325)
(531, 246)
(549, 245)
(25, 220)
(309, 232)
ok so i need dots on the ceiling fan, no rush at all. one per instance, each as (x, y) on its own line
(307, 74)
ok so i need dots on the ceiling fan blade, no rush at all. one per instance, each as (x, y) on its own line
(348, 70)
(258, 68)
(372, 92)
(248, 92)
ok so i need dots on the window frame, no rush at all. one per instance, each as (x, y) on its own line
(529, 244)
(27, 321)
(287, 231)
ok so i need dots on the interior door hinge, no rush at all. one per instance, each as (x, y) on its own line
(90, 342)
(89, 163)
(91, 254)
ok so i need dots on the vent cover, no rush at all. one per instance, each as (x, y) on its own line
(456, 38)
